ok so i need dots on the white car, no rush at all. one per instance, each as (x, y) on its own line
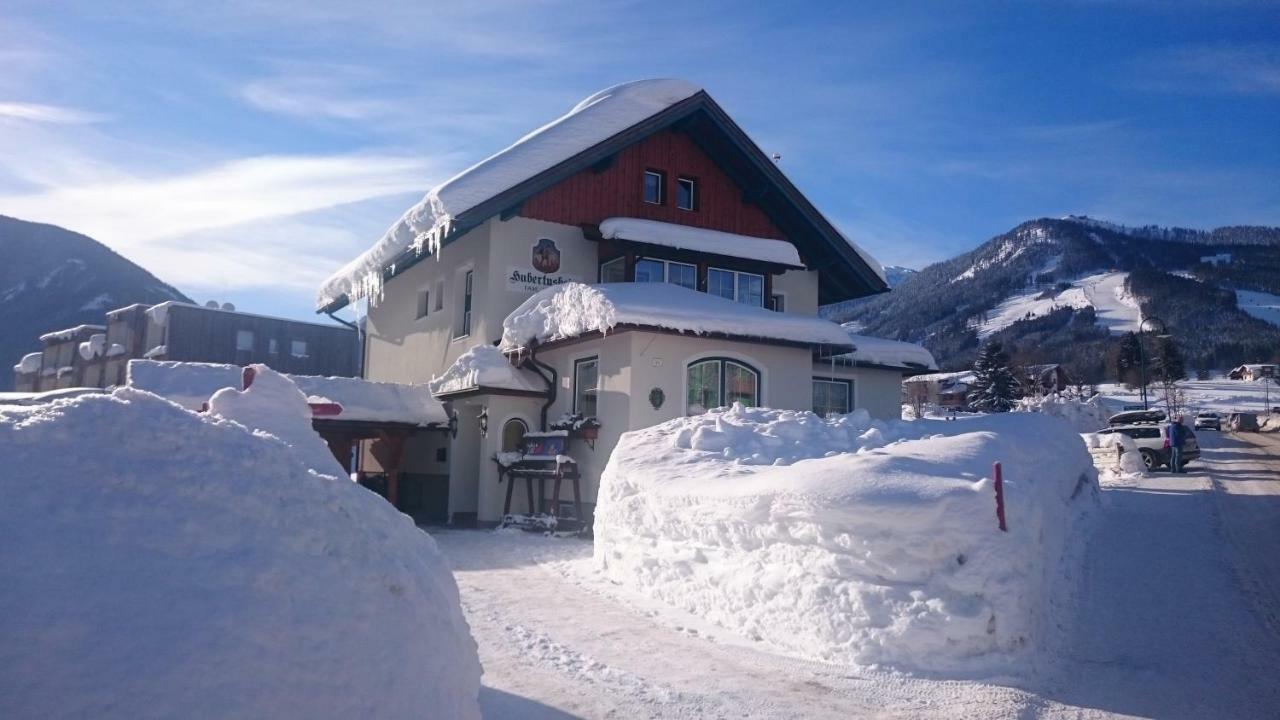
(1149, 437)
(1209, 421)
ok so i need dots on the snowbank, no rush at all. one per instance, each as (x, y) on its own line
(485, 366)
(425, 225)
(851, 541)
(160, 564)
(686, 237)
(574, 309)
(1085, 416)
(1117, 458)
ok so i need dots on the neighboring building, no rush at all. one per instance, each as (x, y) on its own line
(1043, 379)
(946, 390)
(98, 355)
(675, 268)
(1253, 372)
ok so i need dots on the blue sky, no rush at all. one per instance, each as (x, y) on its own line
(244, 151)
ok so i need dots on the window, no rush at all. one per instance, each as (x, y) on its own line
(298, 348)
(832, 397)
(513, 434)
(586, 386)
(244, 340)
(682, 274)
(719, 382)
(655, 191)
(687, 193)
(273, 346)
(614, 271)
(778, 303)
(424, 303)
(463, 328)
(746, 288)
(650, 271)
(439, 295)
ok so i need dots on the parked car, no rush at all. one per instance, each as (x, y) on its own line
(1209, 421)
(1150, 437)
(1242, 422)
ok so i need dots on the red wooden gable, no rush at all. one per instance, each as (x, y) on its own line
(618, 191)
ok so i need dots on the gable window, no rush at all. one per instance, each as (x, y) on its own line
(244, 340)
(720, 382)
(746, 288)
(298, 348)
(586, 386)
(614, 271)
(687, 193)
(655, 187)
(424, 303)
(463, 327)
(832, 397)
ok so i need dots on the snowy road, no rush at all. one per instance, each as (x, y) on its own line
(1178, 620)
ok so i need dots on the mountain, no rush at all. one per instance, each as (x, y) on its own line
(1062, 290)
(54, 278)
(895, 274)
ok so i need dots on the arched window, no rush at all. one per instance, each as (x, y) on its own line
(513, 432)
(719, 382)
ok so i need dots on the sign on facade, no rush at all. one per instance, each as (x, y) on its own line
(542, 272)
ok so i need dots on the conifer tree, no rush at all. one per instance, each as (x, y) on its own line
(994, 388)
(1129, 361)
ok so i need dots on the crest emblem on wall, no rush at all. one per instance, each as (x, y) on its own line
(546, 256)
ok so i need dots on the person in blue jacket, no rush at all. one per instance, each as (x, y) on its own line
(1175, 437)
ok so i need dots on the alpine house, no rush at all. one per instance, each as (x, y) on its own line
(637, 259)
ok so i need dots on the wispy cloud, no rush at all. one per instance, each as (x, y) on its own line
(51, 114)
(228, 223)
(1252, 69)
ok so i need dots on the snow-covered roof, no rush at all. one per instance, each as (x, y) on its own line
(192, 384)
(29, 363)
(573, 309)
(892, 353)
(69, 332)
(485, 366)
(424, 225)
(685, 237)
(963, 376)
(159, 314)
(127, 308)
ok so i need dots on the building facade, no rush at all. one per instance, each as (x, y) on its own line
(99, 355)
(642, 261)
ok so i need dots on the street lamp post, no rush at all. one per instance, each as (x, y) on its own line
(1142, 353)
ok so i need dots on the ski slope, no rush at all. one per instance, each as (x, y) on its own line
(1263, 306)
(1116, 308)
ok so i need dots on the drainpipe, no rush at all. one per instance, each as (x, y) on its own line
(538, 366)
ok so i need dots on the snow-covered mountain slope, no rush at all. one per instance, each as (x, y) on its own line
(1059, 290)
(52, 278)
(1106, 293)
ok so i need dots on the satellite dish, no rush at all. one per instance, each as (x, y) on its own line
(228, 307)
(212, 304)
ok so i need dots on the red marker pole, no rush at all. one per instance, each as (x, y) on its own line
(1000, 497)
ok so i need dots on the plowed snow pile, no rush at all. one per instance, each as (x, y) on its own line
(852, 541)
(158, 563)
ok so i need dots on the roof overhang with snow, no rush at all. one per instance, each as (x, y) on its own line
(845, 271)
(573, 310)
(874, 352)
(779, 253)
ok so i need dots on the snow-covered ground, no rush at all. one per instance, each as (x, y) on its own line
(1263, 306)
(1117, 310)
(1176, 618)
(1218, 395)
